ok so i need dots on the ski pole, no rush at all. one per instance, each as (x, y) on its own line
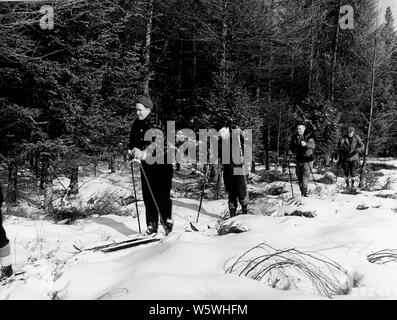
(310, 167)
(136, 200)
(202, 192)
(154, 199)
(290, 177)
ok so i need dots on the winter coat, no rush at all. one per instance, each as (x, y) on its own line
(235, 184)
(137, 134)
(303, 153)
(348, 148)
(237, 160)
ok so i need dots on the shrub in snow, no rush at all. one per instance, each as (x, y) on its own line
(272, 176)
(362, 206)
(388, 185)
(306, 214)
(68, 213)
(107, 204)
(370, 180)
(292, 269)
(328, 178)
(266, 206)
(387, 196)
(229, 227)
(276, 189)
(383, 256)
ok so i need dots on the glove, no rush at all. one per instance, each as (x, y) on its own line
(303, 144)
(129, 155)
(138, 154)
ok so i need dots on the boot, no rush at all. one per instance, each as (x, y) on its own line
(347, 183)
(301, 188)
(353, 189)
(244, 209)
(304, 192)
(5, 261)
(232, 212)
(6, 272)
(169, 224)
(150, 230)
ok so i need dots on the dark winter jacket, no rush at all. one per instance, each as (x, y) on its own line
(3, 238)
(303, 154)
(237, 160)
(137, 134)
(348, 148)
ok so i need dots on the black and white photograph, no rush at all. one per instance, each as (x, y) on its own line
(198, 150)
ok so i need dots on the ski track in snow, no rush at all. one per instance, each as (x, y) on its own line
(191, 265)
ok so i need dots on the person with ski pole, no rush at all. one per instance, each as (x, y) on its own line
(302, 145)
(5, 254)
(156, 174)
(348, 148)
(234, 171)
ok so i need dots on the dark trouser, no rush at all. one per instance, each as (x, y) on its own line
(235, 186)
(160, 181)
(350, 168)
(3, 238)
(303, 174)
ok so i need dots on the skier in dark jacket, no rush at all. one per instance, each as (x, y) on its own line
(348, 148)
(5, 254)
(302, 145)
(159, 173)
(235, 182)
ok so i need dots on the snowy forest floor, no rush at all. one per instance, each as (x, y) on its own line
(329, 245)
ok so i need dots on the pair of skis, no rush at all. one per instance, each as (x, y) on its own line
(124, 244)
(17, 276)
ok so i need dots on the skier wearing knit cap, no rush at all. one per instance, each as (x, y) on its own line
(348, 147)
(302, 145)
(5, 255)
(156, 177)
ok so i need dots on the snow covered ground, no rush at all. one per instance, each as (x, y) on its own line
(303, 253)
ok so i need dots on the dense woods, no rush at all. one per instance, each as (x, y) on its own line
(67, 93)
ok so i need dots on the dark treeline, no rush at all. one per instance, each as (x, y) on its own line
(66, 94)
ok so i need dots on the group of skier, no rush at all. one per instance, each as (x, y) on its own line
(156, 178)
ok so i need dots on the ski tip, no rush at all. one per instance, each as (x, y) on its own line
(193, 227)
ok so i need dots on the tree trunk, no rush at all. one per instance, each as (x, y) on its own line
(219, 182)
(312, 54)
(48, 191)
(74, 181)
(149, 27)
(12, 188)
(112, 163)
(311, 64)
(327, 159)
(278, 135)
(364, 165)
(285, 166)
(292, 88)
(270, 89)
(224, 47)
(95, 167)
(194, 76)
(267, 148)
(253, 169)
(335, 54)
